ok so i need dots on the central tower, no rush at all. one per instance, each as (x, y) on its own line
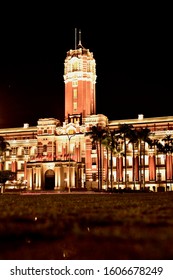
(80, 83)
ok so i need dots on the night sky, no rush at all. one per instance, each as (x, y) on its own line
(134, 62)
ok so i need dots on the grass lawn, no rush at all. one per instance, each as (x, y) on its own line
(86, 226)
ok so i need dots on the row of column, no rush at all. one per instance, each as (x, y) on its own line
(36, 177)
(152, 168)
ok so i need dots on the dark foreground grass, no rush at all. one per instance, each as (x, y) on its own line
(86, 226)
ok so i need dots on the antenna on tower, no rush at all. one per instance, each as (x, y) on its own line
(75, 38)
(79, 37)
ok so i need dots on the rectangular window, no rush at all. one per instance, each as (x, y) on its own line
(158, 161)
(75, 83)
(7, 153)
(159, 176)
(14, 150)
(93, 146)
(44, 148)
(142, 147)
(75, 93)
(94, 177)
(9, 166)
(135, 146)
(74, 106)
(26, 150)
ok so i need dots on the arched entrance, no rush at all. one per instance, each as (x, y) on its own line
(49, 179)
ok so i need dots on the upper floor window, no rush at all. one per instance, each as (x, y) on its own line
(9, 166)
(75, 93)
(93, 161)
(22, 166)
(75, 66)
(74, 106)
(14, 150)
(26, 150)
(94, 146)
(44, 148)
(75, 83)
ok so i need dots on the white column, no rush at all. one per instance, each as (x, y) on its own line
(57, 177)
(29, 178)
(72, 177)
(82, 176)
(38, 178)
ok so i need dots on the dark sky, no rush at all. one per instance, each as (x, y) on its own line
(133, 51)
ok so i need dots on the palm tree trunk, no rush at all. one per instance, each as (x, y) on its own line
(111, 172)
(166, 180)
(100, 165)
(144, 166)
(107, 175)
(125, 151)
(2, 188)
(140, 164)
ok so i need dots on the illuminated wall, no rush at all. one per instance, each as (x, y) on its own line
(80, 79)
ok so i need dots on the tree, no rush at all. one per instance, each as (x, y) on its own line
(6, 175)
(98, 134)
(139, 136)
(111, 141)
(4, 146)
(125, 131)
(165, 146)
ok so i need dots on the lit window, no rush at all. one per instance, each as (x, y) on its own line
(74, 106)
(9, 166)
(94, 177)
(75, 93)
(14, 150)
(93, 161)
(75, 66)
(75, 83)
(71, 131)
(44, 148)
(26, 150)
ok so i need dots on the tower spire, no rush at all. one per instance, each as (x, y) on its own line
(75, 46)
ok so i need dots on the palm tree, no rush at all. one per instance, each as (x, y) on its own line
(98, 134)
(4, 146)
(6, 175)
(111, 141)
(139, 136)
(125, 131)
(165, 146)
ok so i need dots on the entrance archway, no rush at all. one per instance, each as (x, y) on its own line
(49, 179)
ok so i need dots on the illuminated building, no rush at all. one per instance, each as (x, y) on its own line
(55, 156)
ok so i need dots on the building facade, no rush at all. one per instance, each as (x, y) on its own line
(55, 156)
